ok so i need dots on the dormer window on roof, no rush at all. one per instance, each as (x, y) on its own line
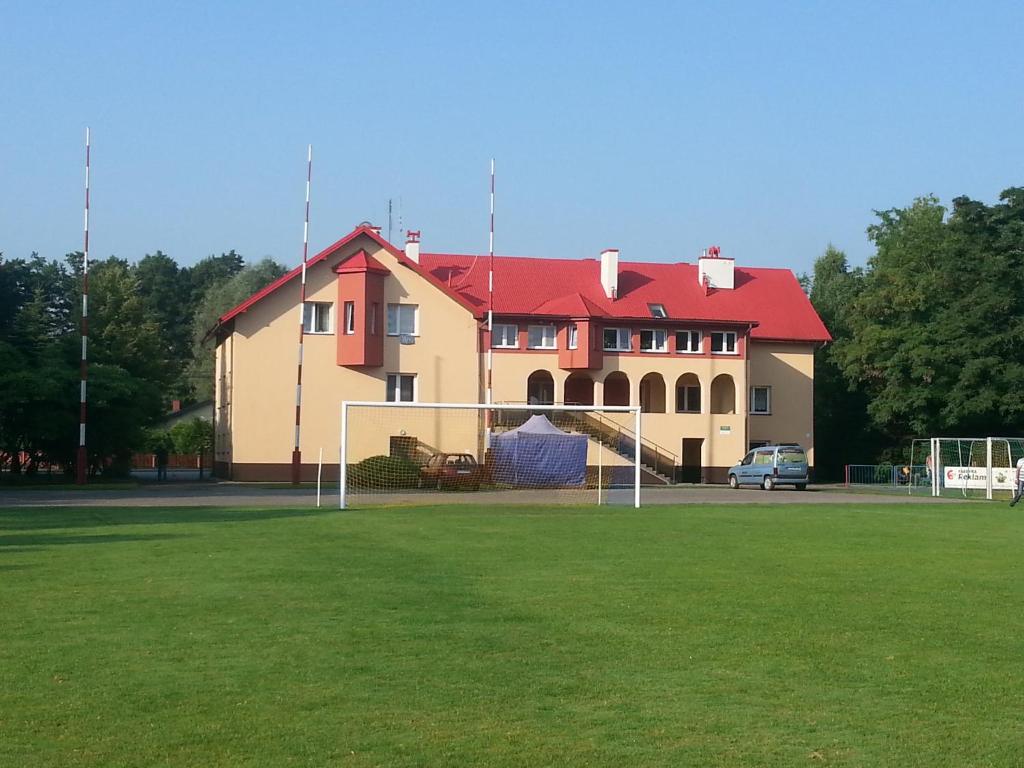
(657, 310)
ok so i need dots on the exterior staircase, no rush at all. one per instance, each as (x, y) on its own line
(657, 465)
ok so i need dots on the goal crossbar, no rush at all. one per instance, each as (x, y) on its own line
(497, 406)
(348, 404)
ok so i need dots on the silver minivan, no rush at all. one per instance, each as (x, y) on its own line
(770, 466)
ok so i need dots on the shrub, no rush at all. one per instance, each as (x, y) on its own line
(384, 472)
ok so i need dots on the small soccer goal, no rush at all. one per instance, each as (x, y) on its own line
(970, 467)
(489, 454)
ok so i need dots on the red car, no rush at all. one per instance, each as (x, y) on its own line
(451, 471)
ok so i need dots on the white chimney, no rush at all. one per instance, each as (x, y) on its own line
(412, 245)
(717, 270)
(610, 272)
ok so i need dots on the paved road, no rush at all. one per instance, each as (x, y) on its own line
(252, 495)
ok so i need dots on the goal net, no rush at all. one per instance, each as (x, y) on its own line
(968, 467)
(398, 453)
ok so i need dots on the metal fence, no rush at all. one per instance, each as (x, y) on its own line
(888, 476)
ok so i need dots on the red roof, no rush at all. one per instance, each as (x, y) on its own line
(364, 261)
(770, 298)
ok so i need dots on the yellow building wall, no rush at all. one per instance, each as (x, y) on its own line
(222, 405)
(789, 370)
(263, 352)
(724, 434)
(255, 384)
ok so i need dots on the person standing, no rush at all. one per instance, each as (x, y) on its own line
(161, 461)
(1019, 481)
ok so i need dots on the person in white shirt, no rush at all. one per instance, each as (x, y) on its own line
(1020, 481)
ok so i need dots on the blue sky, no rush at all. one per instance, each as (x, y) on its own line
(770, 129)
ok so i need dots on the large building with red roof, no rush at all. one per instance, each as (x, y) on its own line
(718, 356)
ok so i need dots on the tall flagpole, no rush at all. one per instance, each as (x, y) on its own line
(82, 462)
(490, 306)
(296, 453)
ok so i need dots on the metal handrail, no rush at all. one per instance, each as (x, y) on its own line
(652, 455)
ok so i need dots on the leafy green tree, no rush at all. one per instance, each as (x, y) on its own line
(841, 434)
(892, 351)
(129, 371)
(38, 373)
(936, 333)
(194, 436)
(166, 293)
(985, 315)
(121, 329)
(211, 271)
(10, 295)
(219, 299)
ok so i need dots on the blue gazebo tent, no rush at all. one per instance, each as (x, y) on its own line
(539, 454)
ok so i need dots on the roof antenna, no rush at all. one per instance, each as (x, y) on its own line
(296, 453)
(81, 465)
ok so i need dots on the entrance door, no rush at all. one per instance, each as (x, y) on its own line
(690, 472)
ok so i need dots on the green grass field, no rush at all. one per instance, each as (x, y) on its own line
(735, 636)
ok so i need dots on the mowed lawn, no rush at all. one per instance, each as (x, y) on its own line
(733, 636)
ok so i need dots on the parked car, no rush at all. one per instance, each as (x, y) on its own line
(770, 466)
(451, 471)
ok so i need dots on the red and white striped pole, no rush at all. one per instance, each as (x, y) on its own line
(296, 452)
(490, 302)
(82, 462)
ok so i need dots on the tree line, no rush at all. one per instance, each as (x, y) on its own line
(147, 347)
(928, 336)
(928, 339)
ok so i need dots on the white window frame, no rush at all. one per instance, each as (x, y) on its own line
(399, 310)
(499, 339)
(393, 387)
(654, 335)
(550, 334)
(309, 318)
(725, 339)
(350, 318)
(689, 338)
(618, 339)
(572, 336)
(768, 400)
(657, 310)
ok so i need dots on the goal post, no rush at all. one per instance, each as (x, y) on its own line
(408, 452)
(969, 467)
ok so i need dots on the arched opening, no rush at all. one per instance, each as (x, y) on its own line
(540, 388)
(579, 389)
(652, 393)
(688, 393)
(616, 389)
(723, 394)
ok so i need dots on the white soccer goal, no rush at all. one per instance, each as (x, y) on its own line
(971, 467)
(500, 454)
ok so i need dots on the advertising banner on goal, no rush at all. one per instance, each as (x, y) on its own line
(974, 477)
